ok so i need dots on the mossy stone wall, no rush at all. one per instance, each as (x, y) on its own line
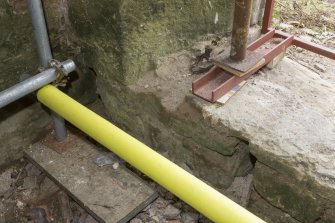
(125, 36)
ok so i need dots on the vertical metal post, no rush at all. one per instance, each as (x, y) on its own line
(267, 19)
(240, 31)
(44, 53)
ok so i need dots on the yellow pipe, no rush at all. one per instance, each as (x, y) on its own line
(188, 188)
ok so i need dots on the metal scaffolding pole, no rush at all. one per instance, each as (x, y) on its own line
(240, 31)
(32, 84)
(45, 55)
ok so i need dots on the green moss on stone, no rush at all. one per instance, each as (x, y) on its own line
(137, 32)
(17, 52)
(205, 136)
(288, 194)
(151, 29)
(143, 116)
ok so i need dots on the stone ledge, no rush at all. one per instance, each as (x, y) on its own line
(287, 112)
(286, 116)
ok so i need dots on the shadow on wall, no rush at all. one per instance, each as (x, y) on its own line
(17, 106)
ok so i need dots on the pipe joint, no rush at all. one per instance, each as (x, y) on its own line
(62, 71)
(68, 66)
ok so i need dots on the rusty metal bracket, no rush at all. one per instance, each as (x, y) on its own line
(61, 74)
(218, 81)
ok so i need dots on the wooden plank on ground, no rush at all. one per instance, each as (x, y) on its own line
(239, 68)
(110, 195)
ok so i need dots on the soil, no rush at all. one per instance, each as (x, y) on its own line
(314, 21)
(28, 196)
(318, 15)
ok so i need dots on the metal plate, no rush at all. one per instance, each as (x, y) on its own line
(238, 68)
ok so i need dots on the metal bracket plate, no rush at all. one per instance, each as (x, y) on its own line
(238, 68)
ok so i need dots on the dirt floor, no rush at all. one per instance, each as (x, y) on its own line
(29, 196)
(311, 20)
(318, 15)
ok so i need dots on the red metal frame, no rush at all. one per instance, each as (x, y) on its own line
(218, 82)
(267, 18)
(315, 48)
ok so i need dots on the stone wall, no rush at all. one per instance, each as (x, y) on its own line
(17, 56)
(125, 37)
(121, 41)
(115, 41)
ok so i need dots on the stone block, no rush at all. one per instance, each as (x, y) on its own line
(263, 209)
(329, 215)
(20, 125)
(135, 33)
(275, 61)
(257, 11)
(287, 193)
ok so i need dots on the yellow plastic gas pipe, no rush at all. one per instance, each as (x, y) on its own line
(188, 188)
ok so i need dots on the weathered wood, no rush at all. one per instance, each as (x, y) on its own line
(110, 195)
(239, 68)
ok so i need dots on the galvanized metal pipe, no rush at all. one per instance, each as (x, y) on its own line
(32, 84)
(40, 31)
(45, 55)
(240, 31)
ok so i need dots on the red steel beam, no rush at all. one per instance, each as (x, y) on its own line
(257, 43)
(211, 74)
(268, 12)
(230, 83)
(281, 47)
(230, 80)
(313, 47)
